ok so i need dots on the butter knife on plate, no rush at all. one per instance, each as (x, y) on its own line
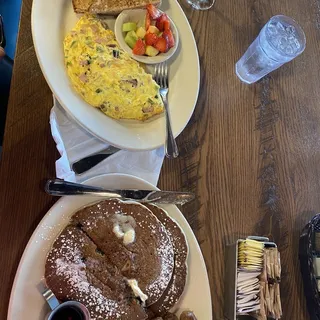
(60, 188)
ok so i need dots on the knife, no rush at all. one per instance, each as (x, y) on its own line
(58, 187)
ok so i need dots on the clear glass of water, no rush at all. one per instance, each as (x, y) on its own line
(279, 41)
(201, 4)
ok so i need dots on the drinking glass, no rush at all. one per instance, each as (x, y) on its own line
(201, 4)
(279, 41)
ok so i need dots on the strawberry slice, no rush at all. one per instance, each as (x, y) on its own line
(166, 25)
(150, 39)
(153, 11)
(161, 45)
(139, 48)
(148, 21)
(168, 36)
(161, 20)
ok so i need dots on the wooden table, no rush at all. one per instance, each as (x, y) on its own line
(250, 153)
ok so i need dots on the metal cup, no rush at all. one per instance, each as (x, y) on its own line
(73, 306)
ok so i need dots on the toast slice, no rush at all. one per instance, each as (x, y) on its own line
(82, 6)
(110, 7)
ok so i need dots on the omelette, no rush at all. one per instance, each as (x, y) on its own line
(105, 76)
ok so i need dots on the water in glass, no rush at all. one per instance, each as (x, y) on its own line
(201, 4)
(279, 41)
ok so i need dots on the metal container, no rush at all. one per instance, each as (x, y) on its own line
(230, 287)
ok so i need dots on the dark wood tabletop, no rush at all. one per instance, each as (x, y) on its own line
(251, 153)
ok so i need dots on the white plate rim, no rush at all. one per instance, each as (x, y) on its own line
(206, 293)
(129, 147)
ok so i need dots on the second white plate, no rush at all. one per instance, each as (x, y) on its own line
(51, 20)
(26, 301)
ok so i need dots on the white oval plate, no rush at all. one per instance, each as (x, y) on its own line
(51, 20)
(135, 16)
(26, 301)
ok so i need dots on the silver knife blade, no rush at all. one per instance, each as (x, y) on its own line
(58, 187)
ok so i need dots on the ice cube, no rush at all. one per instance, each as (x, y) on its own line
(296, 44)
(283, 42)
(280, 27)
(290, 30)
(289, 50)
(272, 29)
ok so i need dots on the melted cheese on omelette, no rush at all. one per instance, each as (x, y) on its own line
(106, 76)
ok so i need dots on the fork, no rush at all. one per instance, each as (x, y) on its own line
(161, 77)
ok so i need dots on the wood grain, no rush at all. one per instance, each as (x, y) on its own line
(250, 153)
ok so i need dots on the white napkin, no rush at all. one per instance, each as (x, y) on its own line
(74, 143)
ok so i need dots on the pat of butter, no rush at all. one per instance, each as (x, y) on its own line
(117, 231)
(129, 237)
(133, 283)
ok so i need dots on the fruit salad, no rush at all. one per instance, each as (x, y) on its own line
(151, 36)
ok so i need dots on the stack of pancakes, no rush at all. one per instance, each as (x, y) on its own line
(93, 262)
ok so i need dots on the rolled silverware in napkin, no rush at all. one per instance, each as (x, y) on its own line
(91, 161)
(58, 187)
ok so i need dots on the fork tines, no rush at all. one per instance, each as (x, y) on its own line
(161, 74)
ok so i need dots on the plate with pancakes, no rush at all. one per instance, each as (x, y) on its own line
(121, 260)
(100, 85)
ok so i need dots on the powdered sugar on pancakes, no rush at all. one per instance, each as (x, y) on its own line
(71, 270)
(150, 257)
(71, 278)
(176, 286)
(164, 253)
